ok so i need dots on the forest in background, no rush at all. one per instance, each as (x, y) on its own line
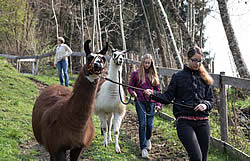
(165, 27)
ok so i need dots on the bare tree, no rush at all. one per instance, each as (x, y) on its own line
(53, 9)
(181, 23)
(173, 45)
(148, 27)
(94, 25)
(122, 27)
(232, 40)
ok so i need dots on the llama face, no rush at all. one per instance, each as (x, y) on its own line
(95, 60)
(118, 56)
(96, 63)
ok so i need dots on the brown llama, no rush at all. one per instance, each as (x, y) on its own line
(61, 118)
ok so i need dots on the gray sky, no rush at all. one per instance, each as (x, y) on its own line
(217, 42)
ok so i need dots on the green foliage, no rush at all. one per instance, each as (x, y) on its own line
(17, 97)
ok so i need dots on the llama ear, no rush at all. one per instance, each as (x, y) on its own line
(125, 51)
(86, 47)
(105, 49)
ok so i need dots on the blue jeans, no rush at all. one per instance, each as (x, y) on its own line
(146, 120)
(195, 136)
(62, 66)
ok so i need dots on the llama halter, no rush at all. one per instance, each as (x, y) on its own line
(91, 66)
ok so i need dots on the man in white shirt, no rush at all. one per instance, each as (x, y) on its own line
(61, 60)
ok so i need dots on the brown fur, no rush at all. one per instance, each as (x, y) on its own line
(205, 76)
(62, 118)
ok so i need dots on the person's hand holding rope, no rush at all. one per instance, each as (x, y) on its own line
(158, 108)
(134, 94)
(148, 92)
(200, 107)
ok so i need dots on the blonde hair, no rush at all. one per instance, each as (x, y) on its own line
(152, 74)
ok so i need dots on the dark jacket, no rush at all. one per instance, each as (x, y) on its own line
(188, 88)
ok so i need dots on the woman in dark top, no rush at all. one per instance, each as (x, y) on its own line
(190, 90)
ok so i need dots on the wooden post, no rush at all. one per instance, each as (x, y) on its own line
(17, 64)
(33, 68)
(70, 58)
(37, 63)
(223, 110)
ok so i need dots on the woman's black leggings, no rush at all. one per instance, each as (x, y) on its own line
(195, 136)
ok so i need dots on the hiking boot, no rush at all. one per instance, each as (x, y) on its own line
(149, 145)
(144, 153)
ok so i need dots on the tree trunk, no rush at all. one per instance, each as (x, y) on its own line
(53, 9)
(232, 41)
(149, 32)
(156, 27)
(201, 23)
(82, 34)
(98, 26)
(94, 25)
(171, 36)
(181, 23)
(122, 27)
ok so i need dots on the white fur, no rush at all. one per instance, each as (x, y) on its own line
(108, 105)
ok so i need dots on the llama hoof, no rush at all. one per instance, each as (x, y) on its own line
(117, 149)
(110, 141)
(105, 144)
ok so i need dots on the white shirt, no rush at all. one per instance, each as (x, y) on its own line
(62, 50)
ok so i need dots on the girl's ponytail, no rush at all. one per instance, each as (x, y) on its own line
(206, 76)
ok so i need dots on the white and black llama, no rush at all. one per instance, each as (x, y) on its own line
(109, 107)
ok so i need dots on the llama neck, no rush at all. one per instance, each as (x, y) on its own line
(113, 71)
(82, 101)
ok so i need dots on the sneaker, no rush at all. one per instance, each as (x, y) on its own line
(149, 145)
(144, 153)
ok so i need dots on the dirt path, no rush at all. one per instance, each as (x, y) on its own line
(159, 152)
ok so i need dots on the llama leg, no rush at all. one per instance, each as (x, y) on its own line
(75, 154)
(60, 155)
(104, 128)
(109, 122)
(117, 123)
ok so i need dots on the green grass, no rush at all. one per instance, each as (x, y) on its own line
(17, 97)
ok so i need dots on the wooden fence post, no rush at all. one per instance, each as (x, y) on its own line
(223, 110)
(37, 63)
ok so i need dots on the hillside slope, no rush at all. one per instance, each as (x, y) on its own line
(17, 96)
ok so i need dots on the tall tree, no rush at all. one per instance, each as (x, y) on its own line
(122, 26)
(170, 36)
(181, 23)
(53, 9)
(94, 25)
(232, 40)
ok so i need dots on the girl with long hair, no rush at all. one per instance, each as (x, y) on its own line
(146, 77)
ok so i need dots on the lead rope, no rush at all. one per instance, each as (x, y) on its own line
(120, 91)
(147, 102)
(140, 89)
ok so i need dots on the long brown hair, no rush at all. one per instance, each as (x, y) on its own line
(203, 72)
(152, 73)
